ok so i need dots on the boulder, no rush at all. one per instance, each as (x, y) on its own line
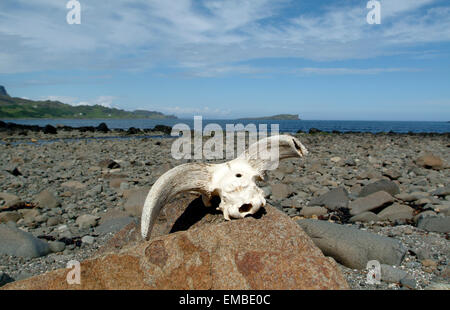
(442, 191)
(49, 129)
(435, 224)
(332, 200)
(430, 161)
(392, 275)
(5, 278)
(164, 129)
(397, 212)
(102, 128)
(369, 203)
(365, 217)
(353, 247)
(16, 242)
(56, 246)
(381, 185)
(264, 251)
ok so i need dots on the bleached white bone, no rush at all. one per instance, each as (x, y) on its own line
(233, 181)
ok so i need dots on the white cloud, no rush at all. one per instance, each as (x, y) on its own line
(105, 101)
(142, 34)
(353, 71)
(190, 111)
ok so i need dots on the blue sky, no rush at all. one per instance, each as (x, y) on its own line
(233, 58)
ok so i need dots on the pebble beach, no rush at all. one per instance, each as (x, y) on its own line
(72, 191)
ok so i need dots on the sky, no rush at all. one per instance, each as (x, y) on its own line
(233, 58)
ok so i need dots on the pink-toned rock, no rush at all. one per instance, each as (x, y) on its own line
(267, 251)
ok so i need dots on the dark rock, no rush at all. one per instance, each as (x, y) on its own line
(16, 242)
(435, 224)
(57, 246)
(408, 283)
(350, 162)
(109, 163)
(442, 191)
(371, 202)
(165, 129)
(49, 129)
(5, 279)
(365, 217)
(14, 171)
(133, 131)
(353, 247)
(314, 130)
(3, 91)
(390, 274)
(397, 212)
(102, 128)
(332, 200)
(87, 129)
(114, 225)
(381, 185)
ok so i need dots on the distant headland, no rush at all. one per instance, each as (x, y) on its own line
(281, 117)
(19, 108)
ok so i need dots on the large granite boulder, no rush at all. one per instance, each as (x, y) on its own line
(202, 251)
(353, 247)
(16, 242)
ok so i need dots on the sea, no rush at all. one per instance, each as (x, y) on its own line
(285, 126)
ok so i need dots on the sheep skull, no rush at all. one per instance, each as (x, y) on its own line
(234, 181)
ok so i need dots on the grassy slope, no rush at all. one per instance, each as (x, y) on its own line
(23, 108)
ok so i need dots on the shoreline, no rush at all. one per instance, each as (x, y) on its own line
(13, 132)
(83, 193)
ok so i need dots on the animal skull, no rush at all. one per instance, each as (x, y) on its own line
(233, 181)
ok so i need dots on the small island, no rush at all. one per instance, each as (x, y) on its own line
(19, 108)
(279, 117)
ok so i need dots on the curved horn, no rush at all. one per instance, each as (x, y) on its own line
(265, 154)
(187, 177)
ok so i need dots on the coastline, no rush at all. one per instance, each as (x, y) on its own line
(107, 180)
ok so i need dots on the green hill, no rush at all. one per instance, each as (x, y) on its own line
(11, 108)
(275, 117)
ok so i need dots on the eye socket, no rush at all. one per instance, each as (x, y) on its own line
(238, 175)
(245, 208)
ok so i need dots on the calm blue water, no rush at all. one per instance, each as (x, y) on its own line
(290, 126)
